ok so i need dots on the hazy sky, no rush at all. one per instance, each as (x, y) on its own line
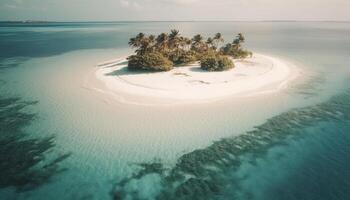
(108, 10)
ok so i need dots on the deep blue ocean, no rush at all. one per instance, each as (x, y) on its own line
(299, 153)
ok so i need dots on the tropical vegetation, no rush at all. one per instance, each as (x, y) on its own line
(216, 62)
(163, 52)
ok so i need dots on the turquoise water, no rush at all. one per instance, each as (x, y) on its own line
(63, 141)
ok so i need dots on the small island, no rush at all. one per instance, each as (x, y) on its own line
(172, 69)
(165, 51)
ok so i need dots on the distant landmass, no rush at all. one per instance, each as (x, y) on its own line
(43, 21)
(27, 21)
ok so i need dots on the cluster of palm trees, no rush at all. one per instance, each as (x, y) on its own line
(178, 49)
(235, 49)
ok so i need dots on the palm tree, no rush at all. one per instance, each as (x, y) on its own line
(136, 41)
(144, 44)
(226, 50)
(239, 39)
(210, 43)
(151, 43)
(174, 39)
(197, 43)
(217, 40)
(197, 38)
(152, 38)
(183, 43)
(174, 34)
(162, 42)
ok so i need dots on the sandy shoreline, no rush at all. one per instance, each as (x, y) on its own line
(260, 74)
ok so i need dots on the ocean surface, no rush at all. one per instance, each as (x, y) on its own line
(61, 140)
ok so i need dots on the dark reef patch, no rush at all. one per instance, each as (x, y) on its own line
(24, 160)
(204, 173)
(12, 62)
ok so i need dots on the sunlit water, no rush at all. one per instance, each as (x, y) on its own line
(288, 145)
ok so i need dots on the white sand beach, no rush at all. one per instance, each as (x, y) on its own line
(260, 74)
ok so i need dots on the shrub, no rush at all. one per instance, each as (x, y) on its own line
(212, 62)
(149, 61)
(174, 55)
(225, 63)
(209, 63)
(243, 54)
(180, 57)
(187, 57)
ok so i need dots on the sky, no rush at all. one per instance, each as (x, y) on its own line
(174, 10)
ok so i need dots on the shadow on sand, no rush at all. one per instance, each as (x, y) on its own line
(109, 65)
(125, 71)
(198, 69)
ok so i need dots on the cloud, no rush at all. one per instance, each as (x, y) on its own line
(181, 1)
(145, 3)
(130, 4)
(124, 3)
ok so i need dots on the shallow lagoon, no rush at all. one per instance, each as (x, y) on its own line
(107, 141)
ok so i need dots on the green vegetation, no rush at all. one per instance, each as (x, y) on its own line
(235, 50)
(216, 62)
(150, 61)
(162, 52)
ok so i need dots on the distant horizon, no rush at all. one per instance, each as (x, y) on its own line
(115, 21)
(175, 10)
